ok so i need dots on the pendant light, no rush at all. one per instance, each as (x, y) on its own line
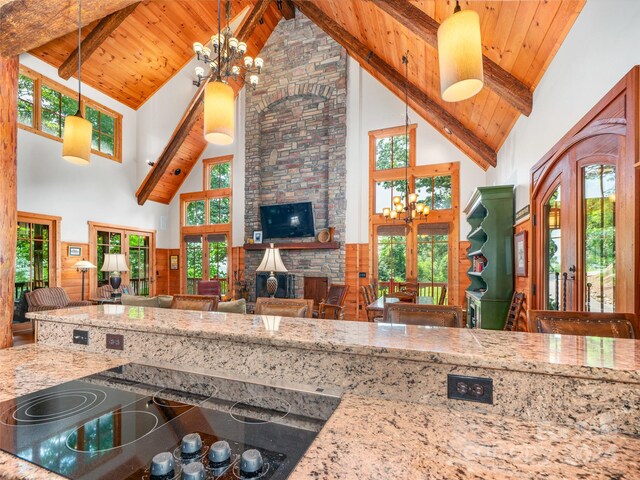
(460, 55)
(219, 111)
(76, 141)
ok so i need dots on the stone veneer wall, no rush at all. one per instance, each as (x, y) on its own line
(296, 142)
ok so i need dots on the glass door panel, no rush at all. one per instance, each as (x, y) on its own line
(107, 242)
(194, 256)
(32, 257)
(553, 251)
(217, 246)
(433, 259)
(599, 230)
(139, 270)
(392, 255)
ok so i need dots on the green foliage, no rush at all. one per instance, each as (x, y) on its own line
(102, 135)
(195, 213)
(220, 175)
(392, 258)
(391, 152)
(218, 259)
(55, 107)
(433, 258)
(219, 210)
(25, 100)
(32, 255)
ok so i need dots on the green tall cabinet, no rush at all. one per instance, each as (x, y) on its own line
(490, 212)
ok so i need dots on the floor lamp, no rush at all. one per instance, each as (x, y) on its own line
(82, 266)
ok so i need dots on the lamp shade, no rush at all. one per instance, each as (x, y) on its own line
(460, 56)
(114, 262)
(76, 143)
(271, 261)
(219, 113)
(84, 265)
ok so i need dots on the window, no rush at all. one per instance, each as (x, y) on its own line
(43, 105)
(55, 106)
(107, 242)
(139, 263)
(419, 253)
(206, 227)
(104, 129)
(26, 96)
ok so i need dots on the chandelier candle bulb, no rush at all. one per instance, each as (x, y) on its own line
(397, 200)
(393, 214)
(233, 43)
(199, 72)
(253, 79)
(259, 63)
(235, 70)
(419, 207)
(413, 198)
(386, 212)
(197, 47)
(399, 207)
(206, 52)
(242, 48)
(248, 61)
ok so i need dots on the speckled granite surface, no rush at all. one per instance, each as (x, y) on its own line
(608, 359)
(372, 439)
(31, 368)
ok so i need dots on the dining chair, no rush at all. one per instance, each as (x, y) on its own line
(426, 315)
(443, 295)
(406, 297)
(332, 307)
(201, 303)
(209, 287)
(592, 324)
(515, 311)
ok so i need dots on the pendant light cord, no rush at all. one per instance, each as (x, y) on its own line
(405, 60)
(79, 53)
(219, 79)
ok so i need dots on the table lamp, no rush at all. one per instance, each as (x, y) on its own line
(82, 266)
(115, 263)
(272, 263)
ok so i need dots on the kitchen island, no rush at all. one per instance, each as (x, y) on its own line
(373, 438)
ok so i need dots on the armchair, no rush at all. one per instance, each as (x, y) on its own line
(51, 299)
(332, 307)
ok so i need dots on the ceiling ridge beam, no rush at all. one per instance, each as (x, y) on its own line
(94, 39)
(192, 112)
(435, 114)
(508, 87)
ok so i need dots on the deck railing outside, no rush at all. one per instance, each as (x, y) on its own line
(425, 289)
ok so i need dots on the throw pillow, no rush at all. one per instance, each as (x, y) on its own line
(139, 301)
(234, 306)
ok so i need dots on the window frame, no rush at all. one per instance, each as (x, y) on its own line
(450, 216)
(208, 163)
(40, 80)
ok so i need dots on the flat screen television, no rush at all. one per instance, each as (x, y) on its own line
(287, 220)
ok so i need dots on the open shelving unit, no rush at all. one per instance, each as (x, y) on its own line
(490, 213)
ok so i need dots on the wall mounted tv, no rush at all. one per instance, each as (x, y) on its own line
(287, 220)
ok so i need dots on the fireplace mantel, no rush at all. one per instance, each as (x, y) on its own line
(294, 246)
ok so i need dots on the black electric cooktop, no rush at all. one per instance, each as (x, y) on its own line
(142, 422)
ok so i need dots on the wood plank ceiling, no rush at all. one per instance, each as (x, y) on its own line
(154, 42)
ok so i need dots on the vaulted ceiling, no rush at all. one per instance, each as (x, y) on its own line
(148, 45)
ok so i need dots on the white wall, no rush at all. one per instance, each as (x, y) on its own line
(602, 46)
(371, 106)
(103, 191)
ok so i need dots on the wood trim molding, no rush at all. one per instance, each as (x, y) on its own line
(496, 78)
(53, 221)
(428, 108)
(207, 162)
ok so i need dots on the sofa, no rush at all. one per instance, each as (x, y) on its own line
(164, 301)
(51, 298)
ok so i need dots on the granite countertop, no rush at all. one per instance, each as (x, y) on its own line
(586, 357)
(369, 438)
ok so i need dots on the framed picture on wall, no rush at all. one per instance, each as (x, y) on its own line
(173, 262)
(75, 251)
(257, 236)
(520, 253)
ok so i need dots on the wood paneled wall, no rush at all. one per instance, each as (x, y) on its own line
(71, 279)
(167, 280)
(357, 260)
(464, 264)
(523, 284)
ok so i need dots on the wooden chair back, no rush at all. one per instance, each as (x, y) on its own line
(428, 315)
(333, 306)
(443, 295)
(364, 293)
(285, 307)
(515, 310)
(209, 287)
(406, 297)
(611, 325)
(199, 303)
(373, 292)
(409, 287)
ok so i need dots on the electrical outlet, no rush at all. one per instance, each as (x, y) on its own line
(81, 337)
(470, 389)
(115, 342)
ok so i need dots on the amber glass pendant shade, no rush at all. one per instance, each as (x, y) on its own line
(76, 143)
(219, 113)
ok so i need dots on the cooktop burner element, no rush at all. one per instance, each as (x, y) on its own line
(140, 422)
(53, 407)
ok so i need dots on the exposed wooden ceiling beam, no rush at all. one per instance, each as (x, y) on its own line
(287, 9)
(27, 24)
(496, 78)
(432, 112)
(94, 39)
(193, 112)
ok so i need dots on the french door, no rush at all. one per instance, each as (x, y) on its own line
(576, 228)
(206, 258)
(138, 247)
